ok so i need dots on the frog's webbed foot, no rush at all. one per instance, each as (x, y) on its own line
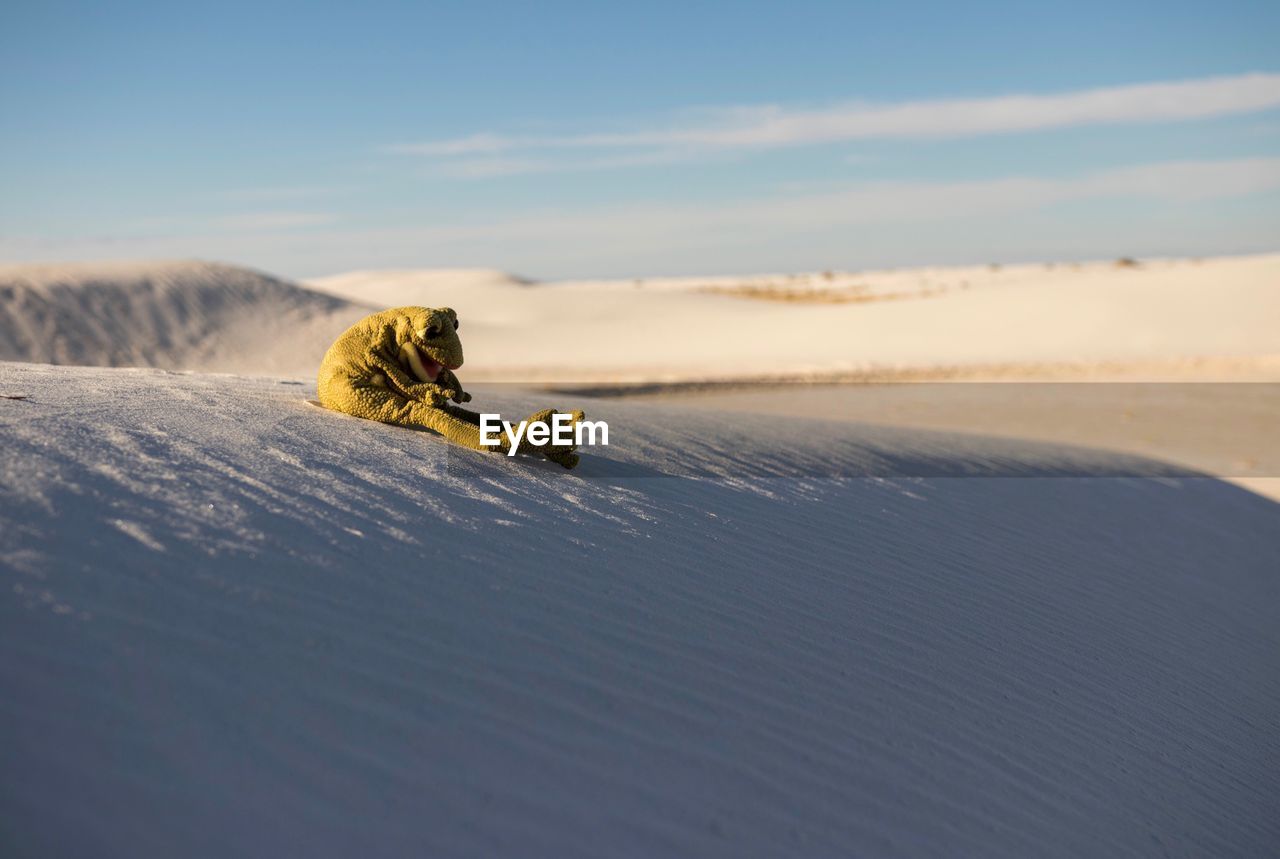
(562, 454)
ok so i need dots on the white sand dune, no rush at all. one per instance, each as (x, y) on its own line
(938, 320)
(1210, 319)
(176, 315)
(235, 624)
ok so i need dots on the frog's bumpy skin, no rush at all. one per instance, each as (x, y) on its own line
(380, 367)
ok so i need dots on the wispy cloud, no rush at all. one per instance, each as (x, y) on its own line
(912, 221)
(774, 126)
(771, 218)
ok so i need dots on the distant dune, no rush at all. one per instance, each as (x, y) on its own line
(392, 287)
(1166, 318)
(175, 315)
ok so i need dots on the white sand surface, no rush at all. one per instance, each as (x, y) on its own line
(1227, 429)
(236, 624)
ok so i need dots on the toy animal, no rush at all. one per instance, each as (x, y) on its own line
(398, 366)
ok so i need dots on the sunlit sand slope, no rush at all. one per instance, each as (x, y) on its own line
(236, 624)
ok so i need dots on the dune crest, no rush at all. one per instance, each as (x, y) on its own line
(180, 315)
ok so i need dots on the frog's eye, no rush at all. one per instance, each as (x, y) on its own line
(431, 332)
(456, 325)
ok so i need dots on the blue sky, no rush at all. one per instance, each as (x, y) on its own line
(603, 139)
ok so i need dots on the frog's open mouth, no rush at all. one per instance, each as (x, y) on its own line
(422, 365)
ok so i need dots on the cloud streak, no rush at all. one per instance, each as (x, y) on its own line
(924, 220)
(772, 126)
(876, 203)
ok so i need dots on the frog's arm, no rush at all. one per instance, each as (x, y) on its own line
(445, 387)
(400, 382)
(451, 387)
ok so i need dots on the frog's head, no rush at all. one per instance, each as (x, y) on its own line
(428, 340)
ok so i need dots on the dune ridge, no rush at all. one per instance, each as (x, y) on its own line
(181, 315)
